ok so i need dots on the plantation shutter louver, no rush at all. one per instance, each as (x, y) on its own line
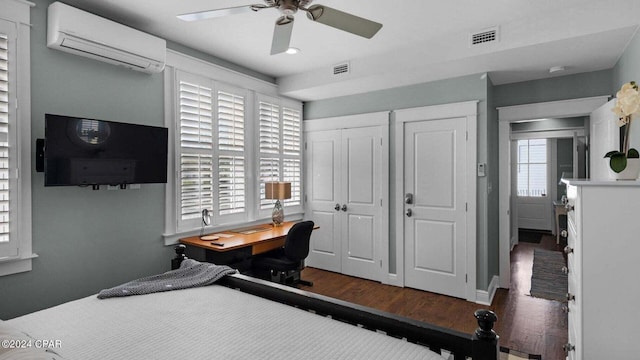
(280, 149)
(291, 131)
(196, 143)
(4, 140)
(231, 158)
(269, 146)
(292, 144)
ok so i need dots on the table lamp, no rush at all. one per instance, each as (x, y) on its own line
(277, 190)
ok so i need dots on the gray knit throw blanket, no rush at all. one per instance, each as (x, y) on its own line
(191, 273)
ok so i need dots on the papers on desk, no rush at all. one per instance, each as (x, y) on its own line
(223, 235)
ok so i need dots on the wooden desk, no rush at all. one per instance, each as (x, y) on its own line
(259, 241)
(559, 209)
(237, 246)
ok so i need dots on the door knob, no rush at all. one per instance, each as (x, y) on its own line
(337, 207)
(564, 233)
(409, 212)
(408, 198)
(344, 207)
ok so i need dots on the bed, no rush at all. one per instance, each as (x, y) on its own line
(238, 317)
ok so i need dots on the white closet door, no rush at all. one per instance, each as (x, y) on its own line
(323, 163)
(362, 201)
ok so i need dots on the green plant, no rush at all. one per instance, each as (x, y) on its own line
(627, 104)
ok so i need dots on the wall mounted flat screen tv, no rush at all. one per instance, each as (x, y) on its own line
(80, 151)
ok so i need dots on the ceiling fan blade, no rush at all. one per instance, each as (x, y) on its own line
(209, 14)
(343, 21)
(282, 35)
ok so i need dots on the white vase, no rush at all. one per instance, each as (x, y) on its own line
(631, 172)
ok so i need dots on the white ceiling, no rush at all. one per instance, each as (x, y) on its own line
(420, 41)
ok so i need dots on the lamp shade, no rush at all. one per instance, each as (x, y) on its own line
(277, 190)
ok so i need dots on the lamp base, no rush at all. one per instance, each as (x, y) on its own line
(277, 216)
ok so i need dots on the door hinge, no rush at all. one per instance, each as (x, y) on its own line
(380, 141)
(466, 135)
(466, 278)
(305, 197)
(466, 206)
(380, 263)
(305, 145)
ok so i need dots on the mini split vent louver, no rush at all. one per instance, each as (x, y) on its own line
(486, 36)
(341, 69)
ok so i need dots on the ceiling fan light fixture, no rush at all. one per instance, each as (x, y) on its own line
(292, 51)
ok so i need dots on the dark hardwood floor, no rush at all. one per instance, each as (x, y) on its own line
(526, 324)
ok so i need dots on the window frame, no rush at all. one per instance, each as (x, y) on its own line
(528, 164)
(16, 14)
(219, 78)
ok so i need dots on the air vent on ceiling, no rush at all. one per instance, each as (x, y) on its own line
(341, 69)
(485, 36)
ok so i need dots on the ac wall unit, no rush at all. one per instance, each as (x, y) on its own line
(85, 34)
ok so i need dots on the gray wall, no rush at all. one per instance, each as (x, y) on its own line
(87, 240)
(595, 83)
(628, 69)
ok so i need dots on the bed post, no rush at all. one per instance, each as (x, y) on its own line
(485, 340)
(176, 261)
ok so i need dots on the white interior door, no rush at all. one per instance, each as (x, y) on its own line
(323, 164)
(362, 201)
(435, 215)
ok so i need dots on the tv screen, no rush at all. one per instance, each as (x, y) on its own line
(80, 151)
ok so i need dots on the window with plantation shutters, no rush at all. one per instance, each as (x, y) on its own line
(292, 153)
(5, 236)
(231, 150)
(15, 155)
(269, 134)
(280, 149)
(196, 145)
(216, 166)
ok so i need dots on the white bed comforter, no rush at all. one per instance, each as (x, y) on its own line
(212, 322)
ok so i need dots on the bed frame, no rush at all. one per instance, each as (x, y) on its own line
(481, 345)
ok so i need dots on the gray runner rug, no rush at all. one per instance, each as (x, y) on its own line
(547, 279)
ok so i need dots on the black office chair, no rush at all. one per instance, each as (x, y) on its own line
(283, 265)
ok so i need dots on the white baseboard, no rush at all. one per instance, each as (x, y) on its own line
(486, 297)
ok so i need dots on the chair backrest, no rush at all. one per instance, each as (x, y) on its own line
(296, 244)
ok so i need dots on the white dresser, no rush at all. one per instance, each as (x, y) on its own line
(603, 254)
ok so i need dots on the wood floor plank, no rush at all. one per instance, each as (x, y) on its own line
(526, 324)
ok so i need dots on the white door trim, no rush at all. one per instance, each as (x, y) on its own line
(517, 113)
(469, 110)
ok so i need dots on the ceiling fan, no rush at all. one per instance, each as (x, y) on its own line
(284, 25)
